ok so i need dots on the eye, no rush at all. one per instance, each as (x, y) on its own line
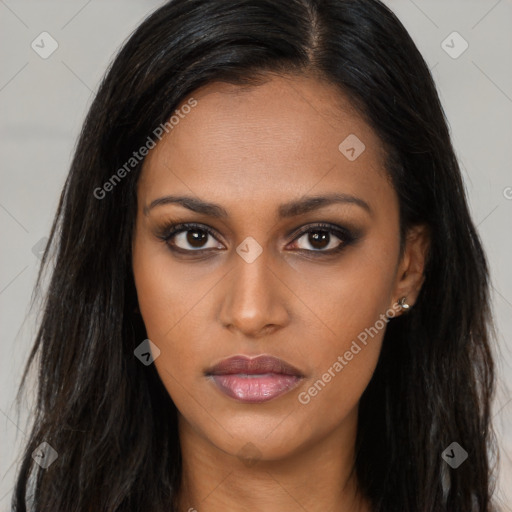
(324, 238)
(190, 238)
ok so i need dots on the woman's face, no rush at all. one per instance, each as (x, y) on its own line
(257, 275)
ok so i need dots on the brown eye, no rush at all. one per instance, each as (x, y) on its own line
(196, 237)
(193, 239)
(320, 240)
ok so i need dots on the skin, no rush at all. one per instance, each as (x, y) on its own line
(249, 150)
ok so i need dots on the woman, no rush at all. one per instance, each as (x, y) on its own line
(268, 292)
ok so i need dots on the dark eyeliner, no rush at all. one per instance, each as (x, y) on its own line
(167, 230)
(346, 236)
(170, 228)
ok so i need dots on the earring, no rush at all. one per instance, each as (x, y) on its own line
(403, 304)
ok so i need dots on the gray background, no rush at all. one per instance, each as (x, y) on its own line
(43, 103)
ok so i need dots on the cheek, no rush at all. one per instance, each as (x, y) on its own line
(351, 294)
(170, 298)
(351, 303)
(167, 290)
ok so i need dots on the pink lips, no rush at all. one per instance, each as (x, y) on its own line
(254, 380)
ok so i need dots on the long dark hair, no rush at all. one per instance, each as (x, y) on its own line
(109, 417)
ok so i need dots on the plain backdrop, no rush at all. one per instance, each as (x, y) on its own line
(43, 102)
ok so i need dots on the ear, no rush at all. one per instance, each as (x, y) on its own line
(411, 267)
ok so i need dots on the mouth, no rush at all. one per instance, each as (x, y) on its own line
(254, 380)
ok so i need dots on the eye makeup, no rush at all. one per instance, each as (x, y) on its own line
(318, 234)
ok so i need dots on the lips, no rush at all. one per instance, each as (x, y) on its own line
(254, 380)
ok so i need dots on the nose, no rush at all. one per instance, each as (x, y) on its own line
(255, 298)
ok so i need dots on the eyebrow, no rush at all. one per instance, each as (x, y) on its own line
(291, 209)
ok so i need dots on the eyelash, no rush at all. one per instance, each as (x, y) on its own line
(347, 237)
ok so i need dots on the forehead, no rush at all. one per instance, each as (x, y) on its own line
(277, 140)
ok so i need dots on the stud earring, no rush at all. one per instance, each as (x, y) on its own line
(403, 304)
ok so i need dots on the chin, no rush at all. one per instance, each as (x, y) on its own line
(259, 437)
